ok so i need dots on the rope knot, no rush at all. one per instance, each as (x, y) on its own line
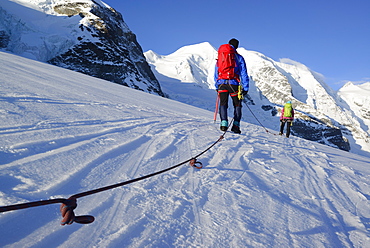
(68, 215)
(194, 161)
(66, 210)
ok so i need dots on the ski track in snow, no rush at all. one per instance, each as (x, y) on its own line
(254, 190)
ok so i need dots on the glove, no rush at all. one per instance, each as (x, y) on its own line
(244, 92)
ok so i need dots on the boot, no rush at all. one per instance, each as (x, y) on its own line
(224, 125)
(235, 128)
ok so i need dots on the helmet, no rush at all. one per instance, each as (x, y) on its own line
(288, 102)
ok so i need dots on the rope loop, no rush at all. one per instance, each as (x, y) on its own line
(194, 161)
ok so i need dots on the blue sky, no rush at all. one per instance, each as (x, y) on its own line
(332, 37)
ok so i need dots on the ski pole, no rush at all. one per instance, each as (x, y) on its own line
(217, 101)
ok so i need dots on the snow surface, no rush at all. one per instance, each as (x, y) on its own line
(63, 133)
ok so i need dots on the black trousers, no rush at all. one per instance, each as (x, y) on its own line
(282, 124)
(225, 90)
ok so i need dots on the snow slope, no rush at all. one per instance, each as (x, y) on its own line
(358, 99)
(64, 133)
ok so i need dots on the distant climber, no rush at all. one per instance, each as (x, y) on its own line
(287, 116)
(230, 72)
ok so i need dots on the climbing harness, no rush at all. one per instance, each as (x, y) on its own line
(68, 205)
(232, 94)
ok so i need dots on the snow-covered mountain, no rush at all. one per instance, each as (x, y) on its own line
(356, 98)
(64, 133)
(87, 36)
(91, 37)
(322, 115)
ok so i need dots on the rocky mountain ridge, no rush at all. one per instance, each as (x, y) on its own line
(87, 36)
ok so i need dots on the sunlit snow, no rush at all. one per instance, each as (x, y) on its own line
(64, 133)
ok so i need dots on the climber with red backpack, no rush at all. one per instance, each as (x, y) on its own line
(232, 79)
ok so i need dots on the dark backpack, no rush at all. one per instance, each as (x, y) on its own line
(226, 62)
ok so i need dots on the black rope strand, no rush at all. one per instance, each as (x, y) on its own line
(68, 205)
(147, 176)
(91, 192)
(257, 118)
(31, 204)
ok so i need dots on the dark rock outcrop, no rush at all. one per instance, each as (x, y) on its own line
(107, 50)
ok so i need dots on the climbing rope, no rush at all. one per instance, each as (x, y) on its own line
(257, 119)
(68, 205)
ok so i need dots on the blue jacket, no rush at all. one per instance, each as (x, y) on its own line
(241, 70)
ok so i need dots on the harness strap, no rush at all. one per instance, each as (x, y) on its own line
(232, 94)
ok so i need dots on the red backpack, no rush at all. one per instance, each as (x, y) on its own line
(226, 62)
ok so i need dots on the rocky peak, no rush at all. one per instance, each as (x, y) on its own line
(80, 35)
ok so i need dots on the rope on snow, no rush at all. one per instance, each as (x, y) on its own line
(68, 205)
